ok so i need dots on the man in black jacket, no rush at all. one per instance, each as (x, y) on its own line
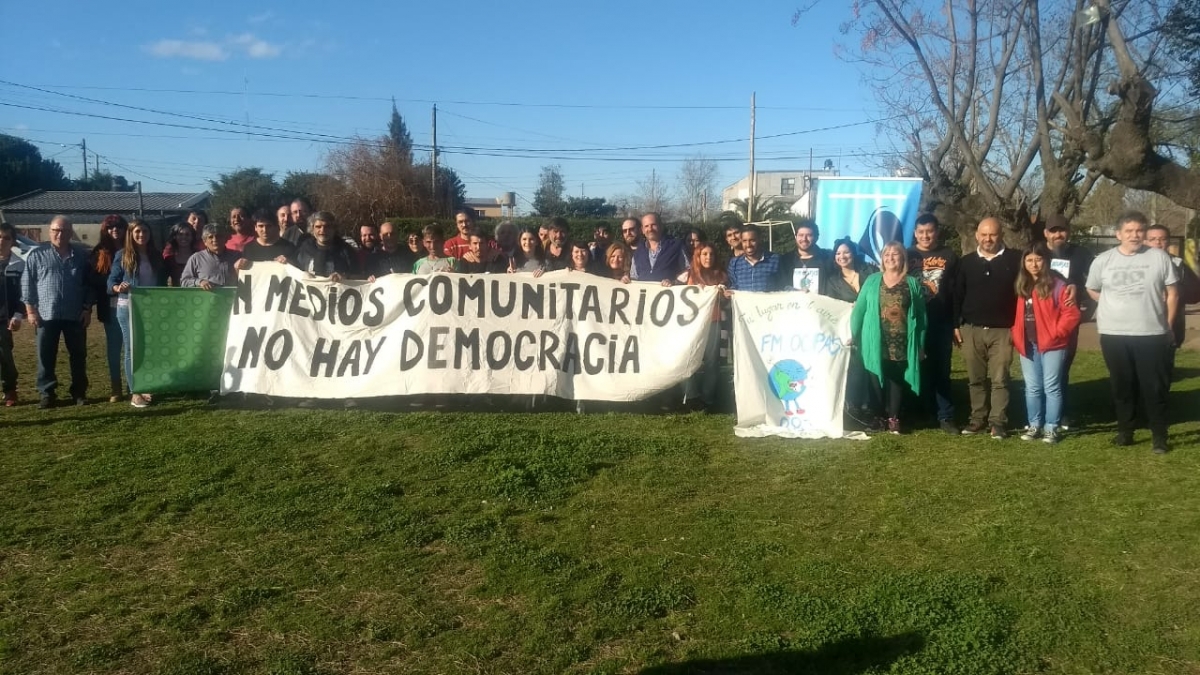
(985, 301)
(808, 256)
(324, 253)
(1073, 263)
(936, 266)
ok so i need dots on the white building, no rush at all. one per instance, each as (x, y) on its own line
(783, 186)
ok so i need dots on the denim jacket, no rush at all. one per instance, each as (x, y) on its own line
(118, 275)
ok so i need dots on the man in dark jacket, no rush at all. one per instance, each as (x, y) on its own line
(659, 258)
(1072, 262)
(12, 310)
(809, 260)
(324, 253)
(935, 266)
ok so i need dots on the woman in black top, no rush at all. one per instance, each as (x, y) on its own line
(850, 271)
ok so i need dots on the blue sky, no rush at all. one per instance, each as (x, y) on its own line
(583, 76)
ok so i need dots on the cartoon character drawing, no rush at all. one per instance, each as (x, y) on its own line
(883, 226)
(788, 384)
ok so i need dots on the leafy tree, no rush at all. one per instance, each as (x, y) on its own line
(548, 198)
(302, 184)
(251, 189)
(103, 181)
(1181, 28)
(768, 209)
(398, 136)
(588, 207)
(22, 169)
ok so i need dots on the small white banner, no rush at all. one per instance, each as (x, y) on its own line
(789, 367)
(566, 334)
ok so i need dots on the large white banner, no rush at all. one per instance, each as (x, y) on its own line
(789, 368)
(566, 334)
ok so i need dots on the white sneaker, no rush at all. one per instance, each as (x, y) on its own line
(1031, 434)
(138, 401)
(1051, 436)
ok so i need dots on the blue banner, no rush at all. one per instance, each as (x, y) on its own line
(870, 211)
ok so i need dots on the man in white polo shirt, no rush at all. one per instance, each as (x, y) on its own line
(1135, 289)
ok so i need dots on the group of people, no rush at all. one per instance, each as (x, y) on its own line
(909, 312)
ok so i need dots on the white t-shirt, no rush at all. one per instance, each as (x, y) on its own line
(1131, 291)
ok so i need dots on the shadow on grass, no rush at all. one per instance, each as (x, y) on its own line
(844, 657)
(116, 411)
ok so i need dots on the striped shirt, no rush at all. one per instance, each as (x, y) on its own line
(55, 286)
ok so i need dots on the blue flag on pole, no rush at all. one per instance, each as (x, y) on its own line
(870, 211)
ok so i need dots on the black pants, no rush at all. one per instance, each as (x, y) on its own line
(1138, 367)
(858, 384)
(75, 336)
(1065, 378)
(935, 371)
(890, 393)
(8, 367)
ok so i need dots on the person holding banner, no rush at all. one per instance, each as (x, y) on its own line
(888, 326)
(390, 257)
(581, 258)
(659, 259)
(845, 285)
(755, 270)
(702, 385)
(482, 258)
(324, 253)
(137, 264)
(558, 253)
(616, 263)
(1042, 328)
(267, 244)
(811, 267)
(214, 266)
(434, 261)
(529, 256)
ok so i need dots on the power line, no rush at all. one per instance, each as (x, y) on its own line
(518, 104)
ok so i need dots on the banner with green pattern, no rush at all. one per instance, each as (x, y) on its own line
(178, 338)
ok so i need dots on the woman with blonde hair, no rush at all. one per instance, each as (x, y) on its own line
(888, 325)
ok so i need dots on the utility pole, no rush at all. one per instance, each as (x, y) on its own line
(753, 175)
(97, 165)
(141, 204)
(433, 164)
(84, 146)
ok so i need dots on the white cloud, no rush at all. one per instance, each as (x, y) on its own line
(197, 49)
(205, 50)
(260, 18)
(255, 47)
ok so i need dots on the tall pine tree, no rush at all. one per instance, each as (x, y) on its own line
(398, 136)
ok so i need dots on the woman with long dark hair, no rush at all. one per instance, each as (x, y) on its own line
(850, 270)
(529, 256)
(1044, 321)
(139, 263)
(112, 237)
(888, 326)
(706, 271)
(181, 244)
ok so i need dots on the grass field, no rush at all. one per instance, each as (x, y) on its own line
(183, 539)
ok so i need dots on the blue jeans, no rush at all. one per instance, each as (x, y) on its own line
(49, 333)
(1043, 387)
(113, 342)
(122, 314)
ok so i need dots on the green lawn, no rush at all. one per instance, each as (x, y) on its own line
(186, 539)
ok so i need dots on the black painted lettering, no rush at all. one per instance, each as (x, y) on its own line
(411, 350)
(278, 289)
(616, 308)
(471, 288)
(464, 341)
(550, 343)
(630, 357)
(374, 318)
(252, 345)
(499, 349)
(412, 306)
(324, 356)
(243, 295)
(593, 343)
(591, 304)
(498, 309)
(660, 315)
(693, 309)
(351, 360)
(533, 297)
(279, 348)
(372, 353)
(441, 294)
(519, 359)
(437, 342)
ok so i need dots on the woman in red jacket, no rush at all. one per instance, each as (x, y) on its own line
(1042, 327)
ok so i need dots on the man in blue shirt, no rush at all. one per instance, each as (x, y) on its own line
(755, 269)
(58, 304)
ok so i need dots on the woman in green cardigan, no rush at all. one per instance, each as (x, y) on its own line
(888, 325)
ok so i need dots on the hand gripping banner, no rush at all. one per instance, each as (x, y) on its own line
(566, 334)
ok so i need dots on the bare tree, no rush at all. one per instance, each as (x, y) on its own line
(368, 184)
(997, 103)
(697, 184)
(653, 195)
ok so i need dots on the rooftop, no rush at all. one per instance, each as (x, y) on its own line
(80, 201)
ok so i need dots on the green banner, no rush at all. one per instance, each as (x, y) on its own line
(178, 338)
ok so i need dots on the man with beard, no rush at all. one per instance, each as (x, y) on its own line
(243, 229)
(558, 249)
(659, 258)
(324, 253)
(631, 233)
(808, 256)
(985, 299)
(935, 266)
(1072, 262)
(458, 245)
(300, 210)
(601, 240)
